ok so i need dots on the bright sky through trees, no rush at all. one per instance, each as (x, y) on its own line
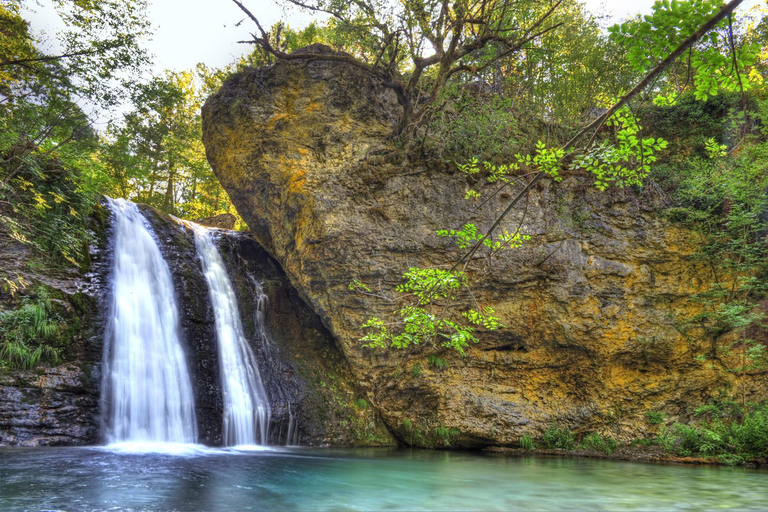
(192, 31)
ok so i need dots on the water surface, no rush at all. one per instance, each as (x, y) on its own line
(370, 479)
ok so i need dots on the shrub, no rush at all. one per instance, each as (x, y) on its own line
(556, 438)
(445, 435)
(595, 441)
(437, 362)
(654, 417)
(28, 334)
(731, 438)
(526, 443)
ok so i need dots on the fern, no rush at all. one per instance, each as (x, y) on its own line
(27, 332)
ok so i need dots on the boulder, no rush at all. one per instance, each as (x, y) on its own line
(221, 221)
(592, 304)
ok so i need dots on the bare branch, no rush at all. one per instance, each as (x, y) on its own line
(17, 62)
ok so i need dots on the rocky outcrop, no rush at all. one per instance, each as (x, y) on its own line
(57, 406)
(592, 305)
(221, 221)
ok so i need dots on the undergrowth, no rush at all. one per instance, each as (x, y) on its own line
(722, 430)
(29, 333)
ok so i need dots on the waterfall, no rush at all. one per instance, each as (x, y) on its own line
(246, 407)
(147, 392)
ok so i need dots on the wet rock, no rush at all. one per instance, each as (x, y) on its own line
(56, 406)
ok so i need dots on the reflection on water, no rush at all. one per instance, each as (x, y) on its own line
(372, 479)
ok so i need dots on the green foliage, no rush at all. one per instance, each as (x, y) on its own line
(51, 198)
(654, 417)
(356, 285)
(428, 290)
(644, 442)
(714, 149)
(687, 125)
(556, 438)
(13, 285)
(49, 170)
(394, 38)
(723, 199)
(416, 370)
(16, 44)
(623, 163)
(594, 441)
(726, 432)
(526, 443)
(714, 63)
(474, 126)
(155, 154)
(414, 434)
(28, 334)
(439, 364)
(545, 159)
(425, 284)
(445, 435)
(468, 235)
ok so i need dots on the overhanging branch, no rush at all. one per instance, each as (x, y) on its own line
(598, 123)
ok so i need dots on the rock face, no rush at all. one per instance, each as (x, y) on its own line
(303, 373)
(307, 379)
(592, 305)
(57, 405)
(222, 221)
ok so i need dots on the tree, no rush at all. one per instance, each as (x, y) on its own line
(155, 154)
(416, 46)
(48, 174)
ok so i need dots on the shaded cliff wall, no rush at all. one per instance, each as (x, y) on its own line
(593, 304)
(304, 373)
(301, 364)
(59, 404)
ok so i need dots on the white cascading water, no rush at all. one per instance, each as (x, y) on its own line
(246, 406)
(147, 393)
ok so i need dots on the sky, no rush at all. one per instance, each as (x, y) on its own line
(192, 31)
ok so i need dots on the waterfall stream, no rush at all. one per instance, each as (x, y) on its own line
(147, 392)
(246, 407)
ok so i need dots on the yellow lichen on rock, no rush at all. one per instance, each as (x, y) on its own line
(592, 337)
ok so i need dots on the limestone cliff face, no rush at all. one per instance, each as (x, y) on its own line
(593, 304)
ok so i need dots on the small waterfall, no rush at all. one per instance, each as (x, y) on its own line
(292, 436)
(246, 407)
(147, 392)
